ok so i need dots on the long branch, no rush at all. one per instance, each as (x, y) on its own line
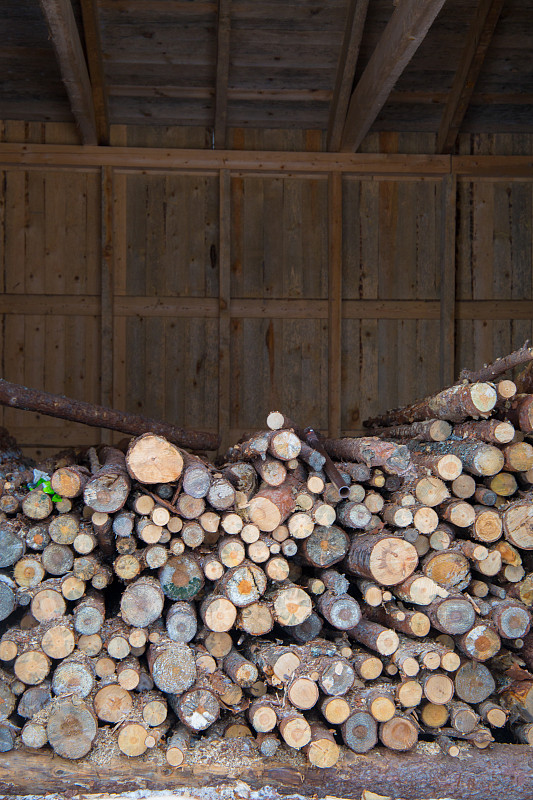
(55, 405)
(501, 365)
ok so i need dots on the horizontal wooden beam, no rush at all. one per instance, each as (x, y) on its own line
(237, 161)
(241, 308)
(257, 162)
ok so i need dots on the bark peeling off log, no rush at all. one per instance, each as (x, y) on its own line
(503, 771)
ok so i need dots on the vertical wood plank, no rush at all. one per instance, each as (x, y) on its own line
(119, 280)
(447, 281)
(335, 303)
(106, 295)
(224, 298)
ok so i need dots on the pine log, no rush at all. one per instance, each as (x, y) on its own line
(492, 431)
(360, 732)
(384, 558)
(322, 751)
(419, 589)
(452, 615)
(152, 459)
(74, 675)
(71, 727)
(271, 505)
(518, 411)
(464, 486)
(375, 636)
(108, 490)
(141, 602)
(181, 578)
(172, 666)
(399, 733)
(372, 451)
(454, 404)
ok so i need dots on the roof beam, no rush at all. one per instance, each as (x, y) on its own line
(93, 48)
(353, 33)
(222, 76)
(477, 43)
(401, 38)
(69, 52)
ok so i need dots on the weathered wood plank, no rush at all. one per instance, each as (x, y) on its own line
(447, 281)
(224, 302)
(335, 305)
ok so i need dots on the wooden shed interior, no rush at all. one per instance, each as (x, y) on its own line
(213, 209)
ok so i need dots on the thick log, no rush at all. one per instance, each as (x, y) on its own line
(74, 675)
(518, 411)
(327, 545)
(322, 751)
(16, 396)
(142, 602)
(375, 636)
(171, 666)
(452, 615)
(271, 505)
(71, 727)
(492, 431)
(153, 459)
(181, 578)
(384, 558)
(399, 733)
(454, 404)
(341, 610)
(372, 451)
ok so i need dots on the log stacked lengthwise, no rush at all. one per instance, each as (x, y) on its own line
(159, 596)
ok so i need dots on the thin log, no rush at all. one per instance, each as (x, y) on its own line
(498, 367)
(16, 396)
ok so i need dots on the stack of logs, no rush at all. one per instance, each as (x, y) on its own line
(148, 592)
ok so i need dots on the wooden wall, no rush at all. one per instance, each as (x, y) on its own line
(208, 295)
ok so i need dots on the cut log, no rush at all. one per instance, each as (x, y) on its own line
(271, 505)
(172, 666)
(153, 459)
(243, 585)
(452, 615)
(181, 578)
(108, 490)
(518, 411)
(340, 610)
(474, 682)
(517, 521)
(359, 732)
(70, 481)
(327, 545)
(372, 451)
(376, 637)
(454, 404)
(481, 642)
(384, 558)
(464, 486)
(71, 727)
(399, 733)
(419, 589)
(492, 431)
(322, 751)
(74, 676)
(141, 602)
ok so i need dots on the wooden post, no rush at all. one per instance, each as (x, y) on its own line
(335, 303)
(106, 293)
(447, 281)
(224, 298)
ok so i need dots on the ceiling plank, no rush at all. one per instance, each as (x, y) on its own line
(401, 38)
(69, 52)
(93, 48)
(353, 33)
(477, 43)
(222, 78)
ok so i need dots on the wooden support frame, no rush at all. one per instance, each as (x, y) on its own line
(222, 73)
(353, 33)
(335, 304)
(405, 31)
(477, 43)
(447, 281)
(106, 289)
(93, 48)
(69, 51)
(224, 305)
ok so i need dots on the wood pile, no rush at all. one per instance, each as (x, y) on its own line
(307, 591)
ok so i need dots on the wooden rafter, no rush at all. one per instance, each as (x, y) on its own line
(69, 52)
(222, 76)
(93, 47)
(464, 82)
(353, 32)
(401, 38)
